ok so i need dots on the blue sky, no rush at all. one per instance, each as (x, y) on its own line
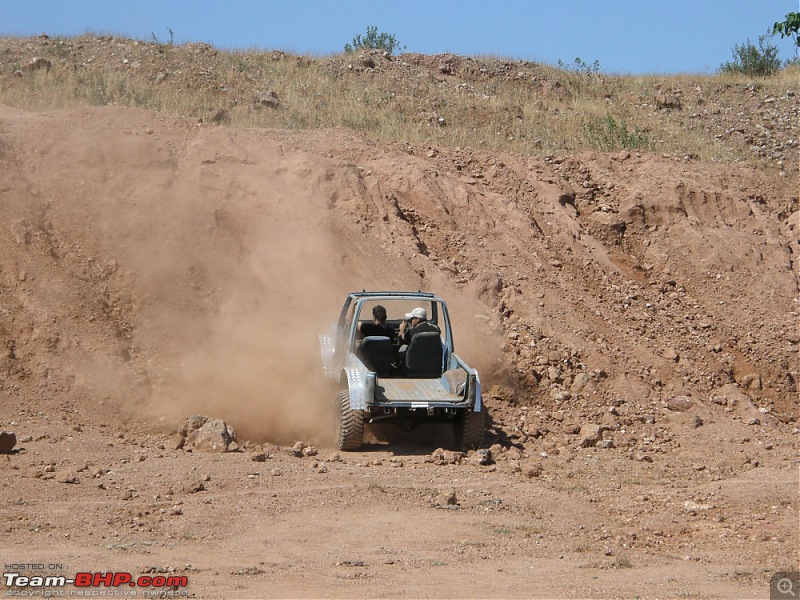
(625, 36)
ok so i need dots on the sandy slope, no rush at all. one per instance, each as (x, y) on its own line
(151, 268)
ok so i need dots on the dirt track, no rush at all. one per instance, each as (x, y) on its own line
(151, 269)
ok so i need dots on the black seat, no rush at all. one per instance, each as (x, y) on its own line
(376, 353)
(424, 355)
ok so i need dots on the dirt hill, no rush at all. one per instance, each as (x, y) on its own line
(153, 267)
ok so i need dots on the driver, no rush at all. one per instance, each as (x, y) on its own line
(416, 322)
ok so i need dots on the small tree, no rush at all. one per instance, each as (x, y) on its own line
(374, 40)
(749, 59)
(789, 28)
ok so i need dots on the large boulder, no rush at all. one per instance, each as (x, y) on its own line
(209, 435)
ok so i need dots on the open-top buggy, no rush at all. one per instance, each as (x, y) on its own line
(425, 382)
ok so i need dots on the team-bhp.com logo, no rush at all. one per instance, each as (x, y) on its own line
(93, 584)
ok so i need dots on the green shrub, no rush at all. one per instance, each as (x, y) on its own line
(162, 46)
(749, 59)
(375, 41)
(581, 67)
(607, 134)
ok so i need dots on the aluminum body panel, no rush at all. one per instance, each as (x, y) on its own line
(412, 390)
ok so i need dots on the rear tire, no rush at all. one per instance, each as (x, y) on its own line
(349, 425)
(470, 430)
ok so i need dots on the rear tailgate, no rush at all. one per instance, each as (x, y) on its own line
(393, 391)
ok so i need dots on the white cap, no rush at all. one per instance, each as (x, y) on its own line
(419, 313)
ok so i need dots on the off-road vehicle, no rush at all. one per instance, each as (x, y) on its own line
(381, 380)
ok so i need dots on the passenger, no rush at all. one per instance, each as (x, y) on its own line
(379, 326)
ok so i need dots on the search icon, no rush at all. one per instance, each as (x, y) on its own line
(785, 586)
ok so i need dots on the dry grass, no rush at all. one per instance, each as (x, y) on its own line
(483, 102)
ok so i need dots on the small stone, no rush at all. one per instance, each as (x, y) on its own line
(448, 498)
(679, 403)
(268, 99)
(220, 116)
(514, 453)
(580, 382)
(751, 381)
(194, 487)
(276, 472)
(38, 63)
(589, 435)
(440, 456)
(691, 506)
(295, 450)
(671, 354)
(258, 457)
(482, 457)
(533, 471)
(175, 442)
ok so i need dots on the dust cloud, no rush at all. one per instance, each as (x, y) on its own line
(231, 282)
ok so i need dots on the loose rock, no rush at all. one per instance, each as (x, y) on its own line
(448, 498)
(679, 403)
(214, 435)
(440, 456)
(7, 442)
(482, 457)
(534, 470)
(589, 435)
